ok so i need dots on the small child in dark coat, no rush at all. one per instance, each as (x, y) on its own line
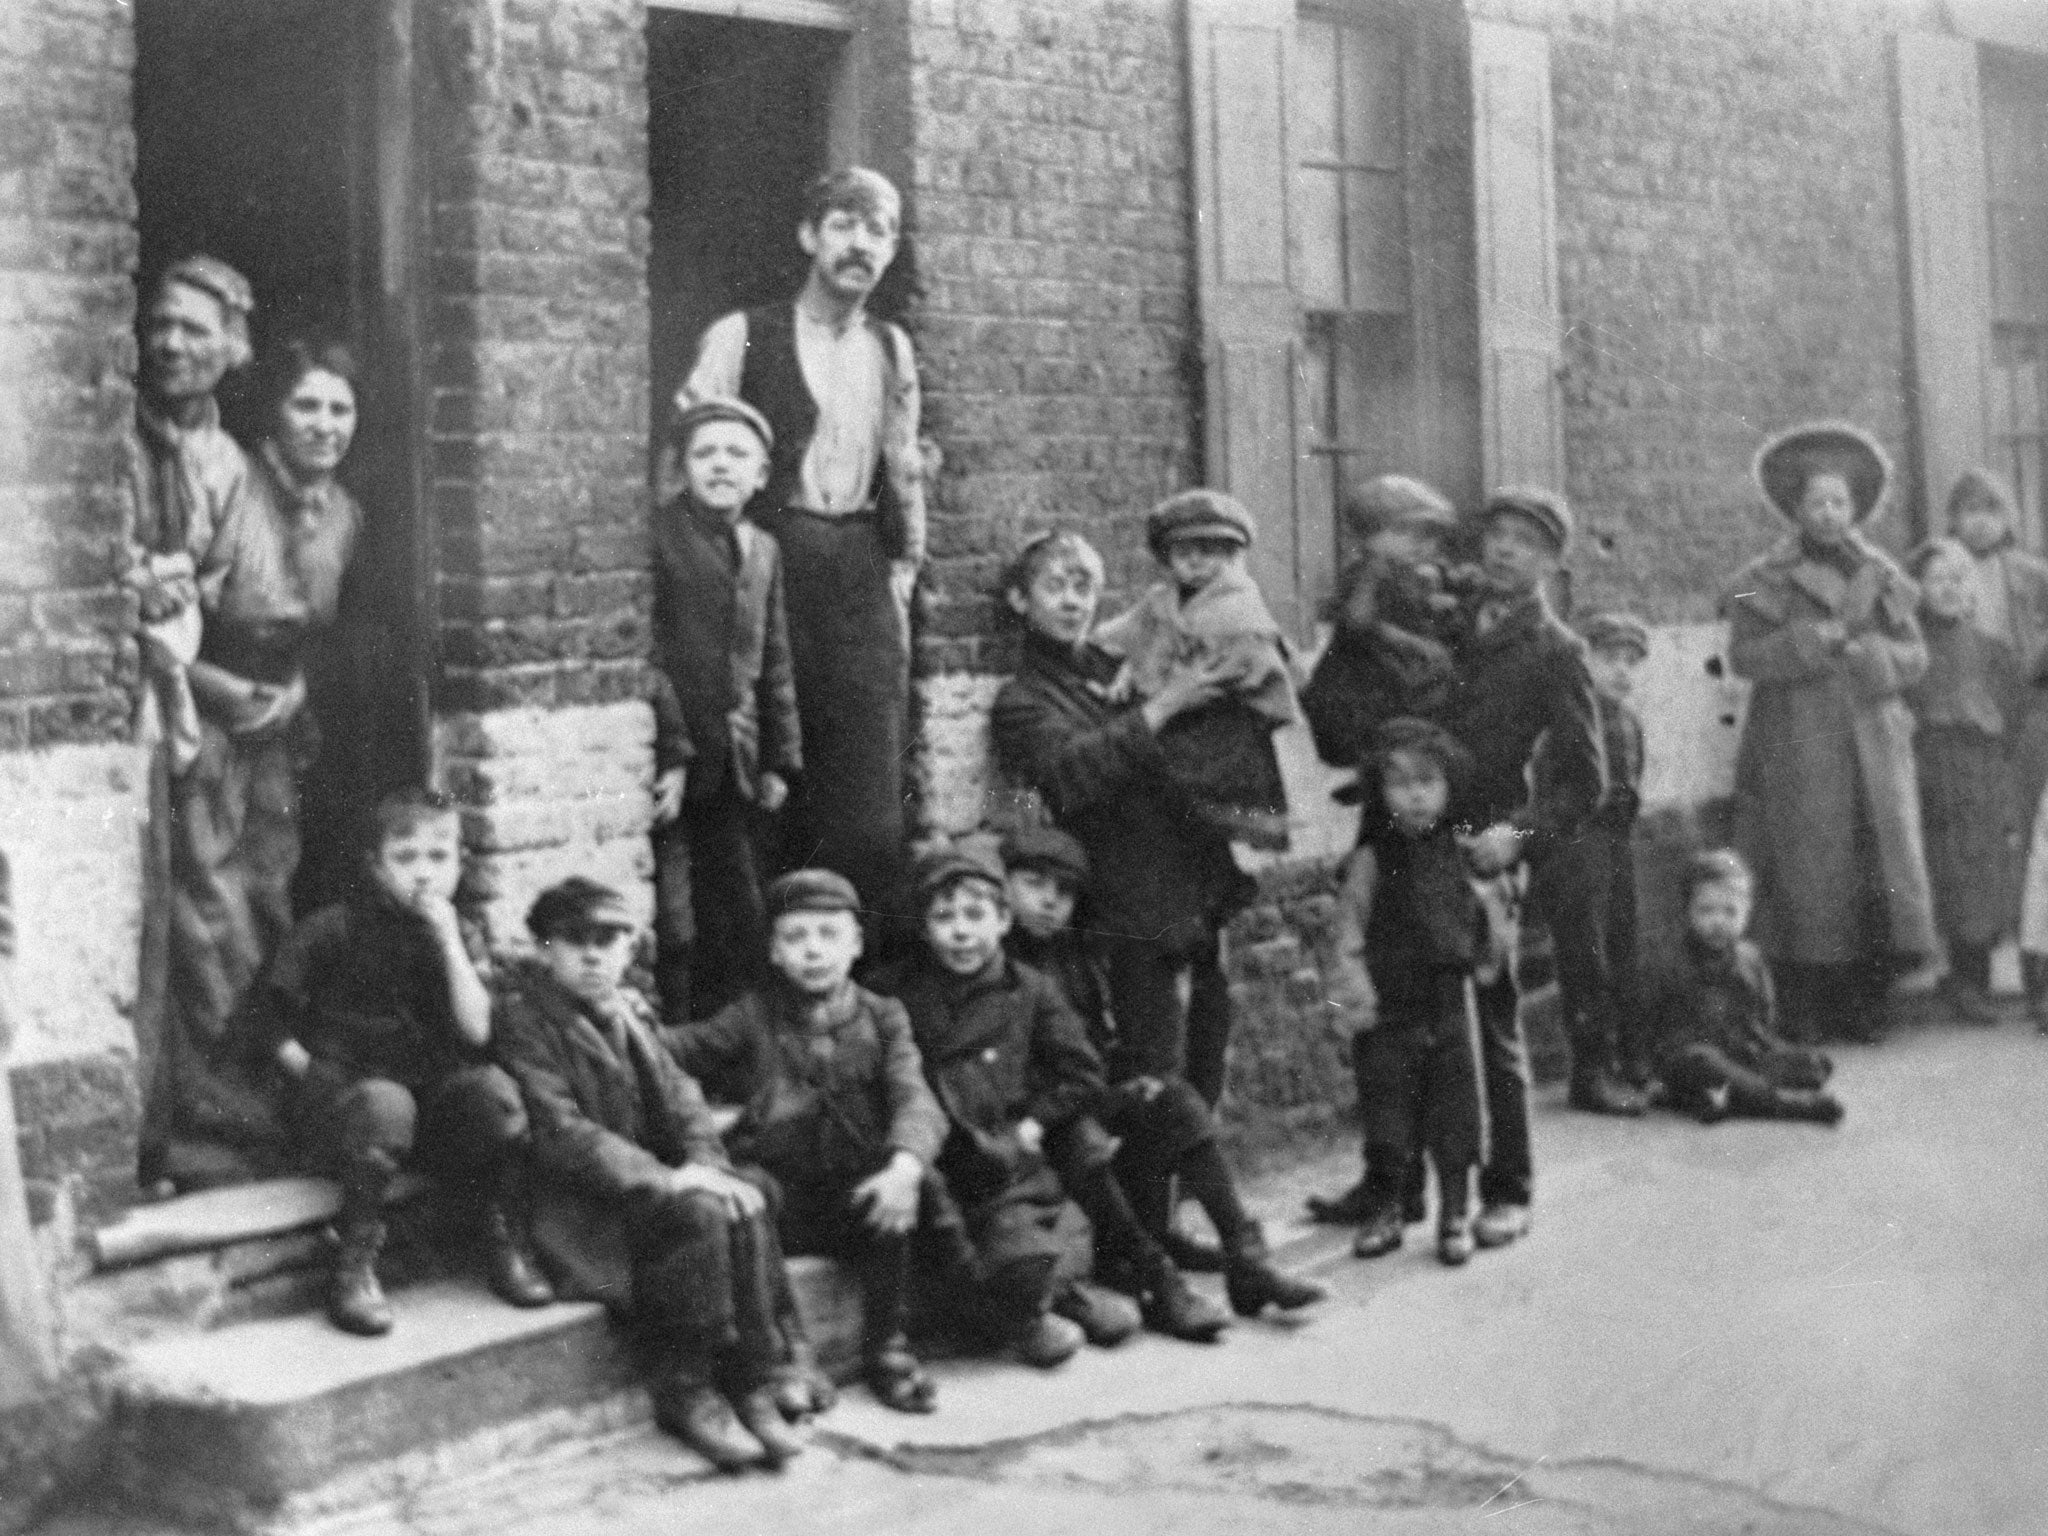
(835, 1113)
(1412, 935)
(1616, 645)
(378, 1012)
(636, 1204)
(1715, 1013)
(721, 643)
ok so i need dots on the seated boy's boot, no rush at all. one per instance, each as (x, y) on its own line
(1380, 1233)
(689, 1407)
(762, 1418)
(1106, 1317)
(1345, 1210)
(1253, 1284)
(1804, 1104)
(355, 1301)
(800, 1388)
(508, 1262)
(1596, 1090)
(891, 1371)
(1047, 1340)
(1170, 1306)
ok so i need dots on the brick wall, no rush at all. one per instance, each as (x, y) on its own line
(1728, 242)
(536, 444)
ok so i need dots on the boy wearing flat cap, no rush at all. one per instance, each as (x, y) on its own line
(1617, 644)
(835, 1113)
(1209, 614)
(637, 1205)
(1521, 681)
(722, 642)
(1162, 1130)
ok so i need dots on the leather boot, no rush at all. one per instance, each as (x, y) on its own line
(1252, 1284)
(355, 1301)
(762, 1418)
(799, 1387)
(893, 1373)
(1599, 1092)
(1171, 1307)
(689, 1407)
(508, 1265)
(1804, 1104)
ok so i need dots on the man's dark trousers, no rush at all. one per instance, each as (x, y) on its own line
(1508, 1175)
(1172, 1007)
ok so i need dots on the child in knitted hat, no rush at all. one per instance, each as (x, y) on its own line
(1209, 614)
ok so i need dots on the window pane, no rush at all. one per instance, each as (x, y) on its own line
(1321, 249)
(1372, 98)
(1316, 384)
(1315, 91)
(1376, 242)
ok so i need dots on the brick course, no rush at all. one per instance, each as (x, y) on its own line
(67, 356)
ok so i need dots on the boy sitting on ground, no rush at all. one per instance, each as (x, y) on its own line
(1156, 1130)
(377, 1010)
(1714, 1011)
(636, 1204)
(835, 1114)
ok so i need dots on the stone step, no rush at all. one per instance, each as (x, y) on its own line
(264, 1424)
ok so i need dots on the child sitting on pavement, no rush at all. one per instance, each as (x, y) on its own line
(1714, 1011)
(835, 1114)
(636, 1203)
(1159, 1127)
(377, 1009)
(1412, 935)
(1211, 612)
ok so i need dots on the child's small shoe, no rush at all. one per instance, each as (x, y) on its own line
(1454, 1242)
(1380, 1235)
(1047, 1340)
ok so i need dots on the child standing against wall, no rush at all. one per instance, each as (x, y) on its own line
(1963, 708)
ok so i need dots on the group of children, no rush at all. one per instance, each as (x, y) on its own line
(943, 1132)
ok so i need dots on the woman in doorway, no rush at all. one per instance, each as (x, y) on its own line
(269, 582)
(1826, 794)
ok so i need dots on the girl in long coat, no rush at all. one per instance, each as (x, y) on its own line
(1827, 797)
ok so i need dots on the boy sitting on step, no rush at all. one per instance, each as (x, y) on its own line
(636, 1204)
(835, 1116)
(377, 1010)
(1715, 1013)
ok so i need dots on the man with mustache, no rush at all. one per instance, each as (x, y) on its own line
(845, 501)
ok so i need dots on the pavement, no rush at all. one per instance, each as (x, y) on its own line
(1746, 1328)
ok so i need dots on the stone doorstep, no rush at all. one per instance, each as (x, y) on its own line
(252, 1425)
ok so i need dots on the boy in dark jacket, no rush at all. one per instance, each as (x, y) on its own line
(378, 1013)
(1013, 1068)
(1159, 1126)
(835, 1113)
(1715, 1013)
(636, 1204)
(1412, 935)
(722, 643)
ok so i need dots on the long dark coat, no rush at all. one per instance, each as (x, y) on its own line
(997, 1048)
(607, 1123)
(1160, 872)
(1827, 749)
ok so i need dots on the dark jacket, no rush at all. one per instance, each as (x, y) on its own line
(612, 1113)
(1071, 965)
(1722, 999)
(998, 1047)
(1522, 683)
(722, 639)
(361, 986)
(825, 1099)
(1161, 873)
(1407, 906)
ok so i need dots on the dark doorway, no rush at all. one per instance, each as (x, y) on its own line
(738, 119)
(265, 136)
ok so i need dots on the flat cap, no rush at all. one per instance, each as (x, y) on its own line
(578, 906)
(936, 868)
(1546, 509)
(209, 274)
(691, 414)
(1047, 848)
(1199, 514)
(1395, 501)
(810, 890)
(1614, 630)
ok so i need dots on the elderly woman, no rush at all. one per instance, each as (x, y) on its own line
(187, 478)
(269, 582)
(1827, 799)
